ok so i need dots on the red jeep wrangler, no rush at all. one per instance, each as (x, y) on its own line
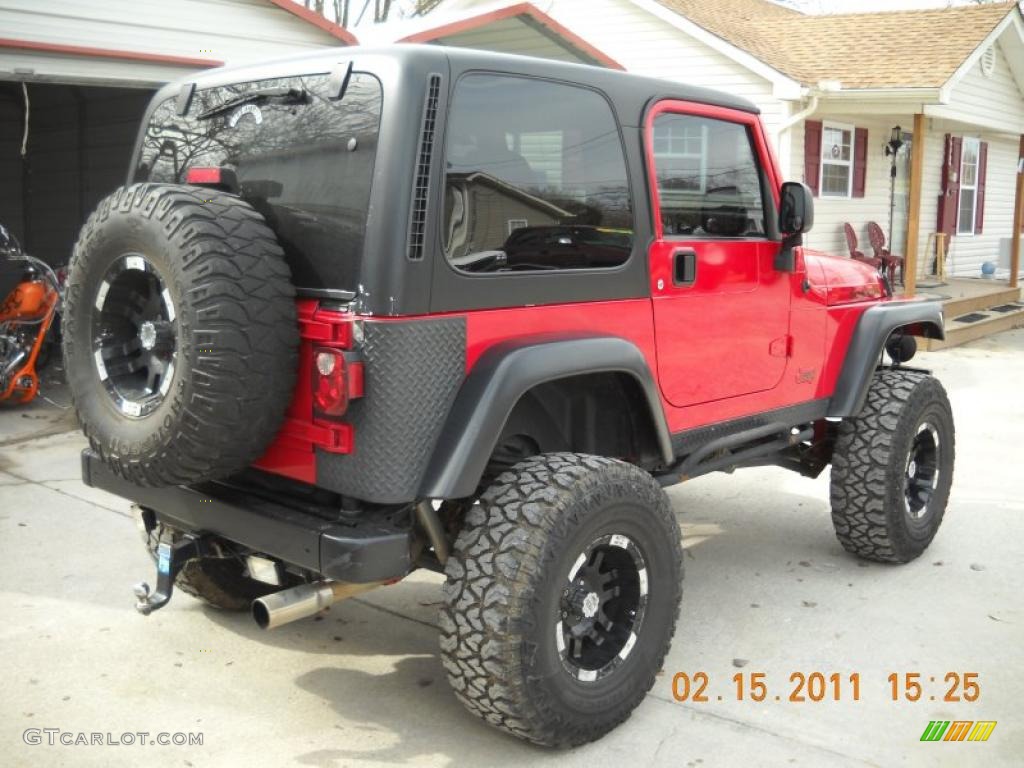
(366, 311)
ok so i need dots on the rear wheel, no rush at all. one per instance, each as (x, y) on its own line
(892, 468)
(562, 597)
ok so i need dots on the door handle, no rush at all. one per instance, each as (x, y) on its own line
(684, 266)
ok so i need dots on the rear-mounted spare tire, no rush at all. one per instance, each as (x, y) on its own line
(180, 333)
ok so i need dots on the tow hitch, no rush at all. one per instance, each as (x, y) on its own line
(171, 556)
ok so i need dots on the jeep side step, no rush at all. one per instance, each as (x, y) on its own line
(732, 451)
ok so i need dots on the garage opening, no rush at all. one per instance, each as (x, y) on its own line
(76, 150)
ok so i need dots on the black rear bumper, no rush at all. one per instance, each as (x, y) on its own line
(357, 552)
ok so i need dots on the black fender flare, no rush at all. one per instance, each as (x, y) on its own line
(865, 347)
(502, 375)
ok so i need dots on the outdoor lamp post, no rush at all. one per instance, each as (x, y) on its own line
(892, 148)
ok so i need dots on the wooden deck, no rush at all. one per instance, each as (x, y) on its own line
(974, 308)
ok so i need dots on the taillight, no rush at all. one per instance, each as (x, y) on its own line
(218, 178)
(335, 381)
(330, 385)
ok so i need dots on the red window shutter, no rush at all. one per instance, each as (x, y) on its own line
(812, 154)
(979, 211)
(950, 186)
(860, 161)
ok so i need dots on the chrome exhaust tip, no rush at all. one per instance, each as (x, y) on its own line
(288, 605)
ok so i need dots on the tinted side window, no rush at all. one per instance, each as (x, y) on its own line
(709, 181)
(535, 178)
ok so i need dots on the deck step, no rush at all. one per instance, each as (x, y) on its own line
(955, 306)
(976, 323)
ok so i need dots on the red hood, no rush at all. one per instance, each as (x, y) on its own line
(842, 280)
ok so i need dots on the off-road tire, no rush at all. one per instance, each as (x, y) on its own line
(236, 333)
(870, 461)
(503, 582)
(218, 581)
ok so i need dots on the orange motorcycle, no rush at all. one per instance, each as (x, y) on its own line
(29, 297)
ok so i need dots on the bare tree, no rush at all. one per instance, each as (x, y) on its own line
(344, 13)
(341, 12)
(423, 7)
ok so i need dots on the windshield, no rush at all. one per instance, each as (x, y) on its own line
(303, 159)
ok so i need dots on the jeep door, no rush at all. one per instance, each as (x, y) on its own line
(721, 309)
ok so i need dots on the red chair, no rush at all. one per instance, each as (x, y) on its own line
(851, 243)
(891, 260)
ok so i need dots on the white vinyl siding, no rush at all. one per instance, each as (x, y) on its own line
(964, 254)
(830, 213)
(646, 45)
(994, 100)
(234, 31)
(968, 253)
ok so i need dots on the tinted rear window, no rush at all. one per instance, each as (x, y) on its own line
(303, 160)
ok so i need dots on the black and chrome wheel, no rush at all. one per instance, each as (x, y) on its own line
(135, 337)
(892, 468)
(922, 472)
(603, 606)
(562, 595)
(180, 337)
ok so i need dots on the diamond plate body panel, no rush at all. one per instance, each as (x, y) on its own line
(413, 370)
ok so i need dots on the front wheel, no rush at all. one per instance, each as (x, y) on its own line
(562, 596)
(892, 468)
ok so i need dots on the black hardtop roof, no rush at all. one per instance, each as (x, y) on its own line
(615, 83)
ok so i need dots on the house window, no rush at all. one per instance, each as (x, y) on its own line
(836, 160)
(968, 187)
(681, 150)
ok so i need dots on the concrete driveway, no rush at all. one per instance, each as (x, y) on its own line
(767, 589)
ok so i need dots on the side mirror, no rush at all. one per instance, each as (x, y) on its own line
(796, 209)
(796, 216)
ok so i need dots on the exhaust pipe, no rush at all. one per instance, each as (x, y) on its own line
(303, 601)
(9, 368)
(427, 517)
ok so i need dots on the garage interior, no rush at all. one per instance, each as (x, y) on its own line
(62, 150)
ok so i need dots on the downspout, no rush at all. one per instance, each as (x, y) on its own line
(804, 113)
(823, 86)
(782, 151)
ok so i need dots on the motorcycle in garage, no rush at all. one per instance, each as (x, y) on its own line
(30, 296)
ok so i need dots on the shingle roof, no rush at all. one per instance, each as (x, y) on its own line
(910, 49)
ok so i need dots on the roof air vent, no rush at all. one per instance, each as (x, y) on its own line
(988, 61)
